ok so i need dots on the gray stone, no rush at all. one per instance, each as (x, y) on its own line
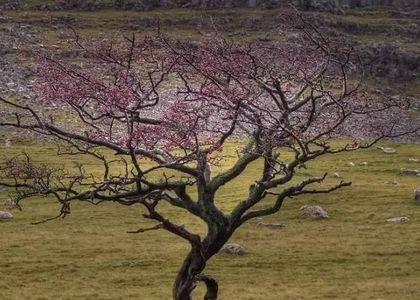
(233, 249)
(5, 215)
(332, 6)
(398, 219)
(387, 150)
(315, 212)
(393, 182)
(10, 204)
(7, 143)
(413, 172)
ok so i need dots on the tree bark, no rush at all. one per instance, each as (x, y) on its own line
(186, 279)
(211, 285)
(190, 274)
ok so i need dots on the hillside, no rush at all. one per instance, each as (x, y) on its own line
(356, 253)
(89, 255)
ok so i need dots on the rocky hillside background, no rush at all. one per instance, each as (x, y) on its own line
(387, 38)
(142, 5)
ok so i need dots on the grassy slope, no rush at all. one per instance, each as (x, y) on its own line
(354, 255)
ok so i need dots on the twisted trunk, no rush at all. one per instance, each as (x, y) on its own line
(194, 264)
(191, 273)
(185, 281)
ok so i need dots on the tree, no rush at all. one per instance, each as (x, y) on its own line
(176, 104)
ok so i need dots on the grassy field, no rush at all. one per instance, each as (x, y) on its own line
(355, 254)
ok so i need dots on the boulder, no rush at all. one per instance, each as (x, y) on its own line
(315, 212)
(417, 196)
(270, 225)
(398, 219)
(233, 249)
(5, 215)
(413, 172)
(387, 150)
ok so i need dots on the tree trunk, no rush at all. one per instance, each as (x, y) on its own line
(211, 285)
(190, 274)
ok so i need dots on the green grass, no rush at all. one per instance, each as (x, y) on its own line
(355, 254)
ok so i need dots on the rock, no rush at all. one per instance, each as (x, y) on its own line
(365, 163)
(316, 212)
(11, 204)
(417, 196)
(332, 6)
(351, 164)
(5, 215)
(264, 38)
(270, 225)
(336, 175)
(233, 249)
(398, 219)
(11, 5)
(7, 143)
(393, 182)
(412, 159)
(387, 150)
(405, 171)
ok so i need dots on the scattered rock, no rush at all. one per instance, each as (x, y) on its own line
(233, 249)
(351, 164)
(264, 38)
(398, 219)
(270, 225)
(316, 212)
(417, 196)
(331, 6)
(10, 204)
(5, 215)
(412, 159)
(7, 143)
(405, 171)
(387, 150)
(393, 182)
